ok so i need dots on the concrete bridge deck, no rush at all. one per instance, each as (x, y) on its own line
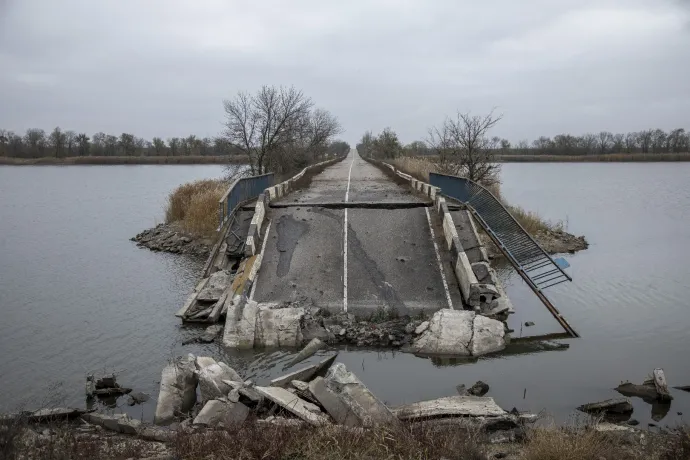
(356, 241)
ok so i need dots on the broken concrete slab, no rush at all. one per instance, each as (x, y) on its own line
(451, 406)
(305, 410)
(357, 397)
(311, 348)
(120, 423)
(334, 405)
(449, 333)
(211, 385)
(221, 413)
(177, 390)
(488, 337)
(240, 325)
(305, 374)
(216, 285)
(278, 327)
(646, 392)
(54, 414)
(615, 406)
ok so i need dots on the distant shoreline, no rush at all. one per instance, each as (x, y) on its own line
(124, 160)
(607, 158)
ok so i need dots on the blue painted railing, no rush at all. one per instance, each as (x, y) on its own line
(240, 191)
(532, 262)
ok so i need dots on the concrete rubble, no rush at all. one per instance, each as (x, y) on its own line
(177, 391)
(609, 406)
(211, 376)
(652, 390)
(368, 409)
(460, 333)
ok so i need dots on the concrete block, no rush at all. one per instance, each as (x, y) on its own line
(466, 279)
(452, 406)
(357, 397)
(488, 337)
(177, 393)
(240, 325)
(278, 327)
(221, 413)
(211, 385)
(449, 333)
(333, 404)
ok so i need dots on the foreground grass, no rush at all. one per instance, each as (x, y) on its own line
(125, 160)
(195, 206)
(421, 441)
(533, 223)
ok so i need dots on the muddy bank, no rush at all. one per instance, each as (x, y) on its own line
(171, 238)
(553, 242)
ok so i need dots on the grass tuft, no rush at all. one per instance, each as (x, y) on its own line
(569, 443)
(195, 206)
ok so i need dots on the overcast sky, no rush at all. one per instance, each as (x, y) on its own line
(163, 67)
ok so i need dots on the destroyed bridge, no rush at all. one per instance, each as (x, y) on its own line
(353, 239)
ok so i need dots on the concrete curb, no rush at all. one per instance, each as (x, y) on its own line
(483, 297)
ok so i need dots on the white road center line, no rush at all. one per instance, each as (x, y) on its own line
(438, 258)
(263, 251)
(347, 197)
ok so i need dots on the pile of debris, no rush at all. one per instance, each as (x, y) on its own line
(448, 332)
(320, 394)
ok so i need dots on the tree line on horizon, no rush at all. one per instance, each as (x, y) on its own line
(603, 143)
(36, 143)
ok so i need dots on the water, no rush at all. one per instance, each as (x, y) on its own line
(77, 296)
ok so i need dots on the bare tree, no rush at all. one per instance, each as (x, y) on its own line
(630, 142)
(82, 141)
(464, 147)
(644, 138)
(158, 146)
(604, 140)
(264, 125)
(70, 142)
(57, 141)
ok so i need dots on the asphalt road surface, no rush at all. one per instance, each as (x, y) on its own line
(374, 252)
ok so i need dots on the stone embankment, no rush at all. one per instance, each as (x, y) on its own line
(171, 238)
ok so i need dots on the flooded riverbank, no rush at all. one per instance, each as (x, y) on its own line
(77, 296)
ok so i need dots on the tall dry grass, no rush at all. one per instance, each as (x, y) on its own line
(195, 206)
(574, 444)
(532, 222)
(253, 442)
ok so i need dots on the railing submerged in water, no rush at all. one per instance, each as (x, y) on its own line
(241, 191)
(530, 260)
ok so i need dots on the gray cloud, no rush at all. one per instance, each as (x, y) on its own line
(162, 67)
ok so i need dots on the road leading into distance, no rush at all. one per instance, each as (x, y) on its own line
(373, 250)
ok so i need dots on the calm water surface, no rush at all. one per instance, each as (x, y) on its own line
(76, 296)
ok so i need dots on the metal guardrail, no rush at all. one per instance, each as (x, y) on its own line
(530, 260)
(240, 191)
